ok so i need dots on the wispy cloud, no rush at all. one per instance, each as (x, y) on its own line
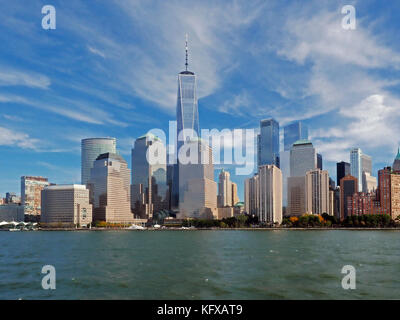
(10, 77)
(10, 137)
(96, 52)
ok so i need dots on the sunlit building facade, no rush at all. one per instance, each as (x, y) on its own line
(110, 189)
(31, 188)
(66, 205)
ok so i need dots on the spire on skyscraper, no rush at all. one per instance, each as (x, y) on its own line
(186, 48)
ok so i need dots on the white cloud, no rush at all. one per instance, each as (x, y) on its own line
(371, 124)
(322, 36)
(9, 77)
(96, 52)
(13, 138)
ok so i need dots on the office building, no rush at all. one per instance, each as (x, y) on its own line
(198, 190)
(285, 168)
(294, 132)
(270, 194)
(110, 189)
(149, 177)
(235, 198)
(187, 117)
(331, 204)
(12, 212)
(251, 195)
(319, 161)
(360, 163)
(369, 182)
(360, 203)
(91, 148)
(31, 188)
(395, 195)
(296, 196)
(317, 191)
(342, 170)
(366, 163)
(66, 205)
(356, 166)
(348, 186)
(224, 189)
(303, 158)
(268, 143)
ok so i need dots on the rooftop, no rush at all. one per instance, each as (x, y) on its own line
(110, 155)
(302, 142)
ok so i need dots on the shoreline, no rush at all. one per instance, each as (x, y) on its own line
(220, 229)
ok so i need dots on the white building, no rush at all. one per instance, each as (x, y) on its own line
(270, 194)
(66, 204)
(317, 191)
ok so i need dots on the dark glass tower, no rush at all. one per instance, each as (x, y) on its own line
(293, 132)
(268, 143)
(342, 170)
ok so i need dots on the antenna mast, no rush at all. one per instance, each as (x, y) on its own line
(186, 48)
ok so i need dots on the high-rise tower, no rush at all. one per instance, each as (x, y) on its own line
(187, 117)
(91, 148)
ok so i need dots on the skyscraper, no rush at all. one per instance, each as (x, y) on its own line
(66, 204)
(91, 148)
(369, 182)
(284, 161)
(317, 191)
(366, 163)
(251, 195)
(235, 198)
(149, 179)
(224, 189)
(348, 186)
(342, 170)
(270, 184)
(31, 188)
(197, 188)
(319, 161)
(293, 132)
(303, 158)
(187, 117)
(356, 166)
(109, 189)
(360, 163)
(268, 143)
(396, 162)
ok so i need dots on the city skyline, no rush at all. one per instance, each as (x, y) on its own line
(51, 98)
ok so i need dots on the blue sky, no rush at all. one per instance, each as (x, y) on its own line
(110, 69)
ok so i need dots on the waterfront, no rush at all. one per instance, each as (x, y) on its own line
(275, 264)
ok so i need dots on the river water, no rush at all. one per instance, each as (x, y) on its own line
(209, 264)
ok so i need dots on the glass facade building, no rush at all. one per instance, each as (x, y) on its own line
(268, 143)
(356, 165)
(187, 116)
(149, 181)
(293, 132)
(90, 149)
(342, 170)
